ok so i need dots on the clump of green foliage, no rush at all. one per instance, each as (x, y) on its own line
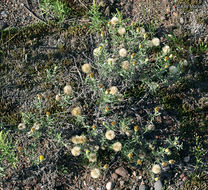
(7, 154)
(125, 53)
(55, 9)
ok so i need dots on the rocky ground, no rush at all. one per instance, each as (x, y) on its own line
(32, 48)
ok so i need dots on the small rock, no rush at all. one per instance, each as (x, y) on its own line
(134, 173)
(3, 14)
(139, 177)
(181, 20)
(184, 178)
(114, 176)
(143, 187)
(159, 119)
(91, 188)
(109, 185)
(182, 175)
(158, 185)
(121, 171)
(122, 183)
(162, 18)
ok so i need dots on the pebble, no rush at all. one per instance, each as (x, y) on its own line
(114, 176)
(158, 185)
(121, 171)
(184, 178)
(122, 183)
(134, 173)
(91, 188)
(109, 185)
(181, 20)
(162, 18)
(143, 187)
(182, 175)
(3, 14)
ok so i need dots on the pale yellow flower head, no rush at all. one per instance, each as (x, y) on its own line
(139, 162)
(125, 65)
(173, 69)
(130, 155)
(184, 63)
(156, 41)
(110, 135)
(79, 139)
(171, 161)
(58, 97)
(32, 129)
(86, 68)
(164, 164)
(117, 146)
(136, 128)
(96, 51)
(142, 30)
(113, 90)
(95, 173)
(123, 52)
(21, 126)
(36, 126)
(76, 151)
(75, 139)
(151, 146)
(111, 61)
(105, 166)
(39, 96)
(122, 31)
(82, 139)
(114, 20)
(166, 49)
(76, 111)
(151, 127)
(157, 178)
(92, 157)
(68, 90)
(149, 43)
(167, 150)
(156, 169)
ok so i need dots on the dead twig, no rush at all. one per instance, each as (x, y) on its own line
(33, 14)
